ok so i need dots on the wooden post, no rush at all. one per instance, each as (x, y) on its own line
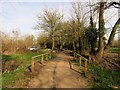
(89, 58)
(42, 58)
(50, 56)
(85, 68)
(33, 65)
(80, 61)
(70, 64)
(47, 56)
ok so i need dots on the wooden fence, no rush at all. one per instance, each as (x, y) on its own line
(82, 58)
(46, 55)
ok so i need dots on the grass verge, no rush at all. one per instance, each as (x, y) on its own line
(104, 78)
(17, 78)
(114, 50)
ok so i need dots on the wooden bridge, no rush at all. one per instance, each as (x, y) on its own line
(48, 56)
(59, 71)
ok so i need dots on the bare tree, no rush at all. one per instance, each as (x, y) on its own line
(49, 22)
(79, 18)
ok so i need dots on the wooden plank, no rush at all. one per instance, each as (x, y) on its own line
(70, 64)
(89, 58)
(39, 55)
(36, 56)
(85, 68)
(47, 56)
(82, 57)
(50, 56)
(80, 61)
(33, 65)
(42, 58)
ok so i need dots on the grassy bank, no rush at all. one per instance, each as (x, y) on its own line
(101, 77)
(16, 77)
(104, 78)
(114, 50)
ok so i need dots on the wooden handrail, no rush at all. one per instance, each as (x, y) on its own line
(42, 57)
(84, 59)
(81, 56)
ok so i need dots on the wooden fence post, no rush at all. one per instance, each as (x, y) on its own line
(47, 56)
(33, 65)
(50, 56)
(85, 69)
(42, 58)
(70, 64)
(89, 58)
(80, 61)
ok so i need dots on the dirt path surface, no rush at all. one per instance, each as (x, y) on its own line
(57, 74)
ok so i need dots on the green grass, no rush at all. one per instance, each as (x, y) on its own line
(104, 78)
(9, 78)
(6, 57)
(114, 50)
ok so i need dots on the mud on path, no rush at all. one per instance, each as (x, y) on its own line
(57, 74)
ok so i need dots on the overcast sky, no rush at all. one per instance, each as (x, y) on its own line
(22, 14)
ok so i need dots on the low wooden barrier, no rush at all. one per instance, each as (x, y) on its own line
(47, 56)
(76, 55)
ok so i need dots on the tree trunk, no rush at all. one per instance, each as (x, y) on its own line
(112, 35)
(61, 47)
(76, 49)
(101, 31)
(73, 45)
(80, 46)
(61, 44)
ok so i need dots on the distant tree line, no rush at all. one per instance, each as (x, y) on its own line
(74, 34)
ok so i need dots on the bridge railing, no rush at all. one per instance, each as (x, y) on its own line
(82, 58)
(43, 57)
